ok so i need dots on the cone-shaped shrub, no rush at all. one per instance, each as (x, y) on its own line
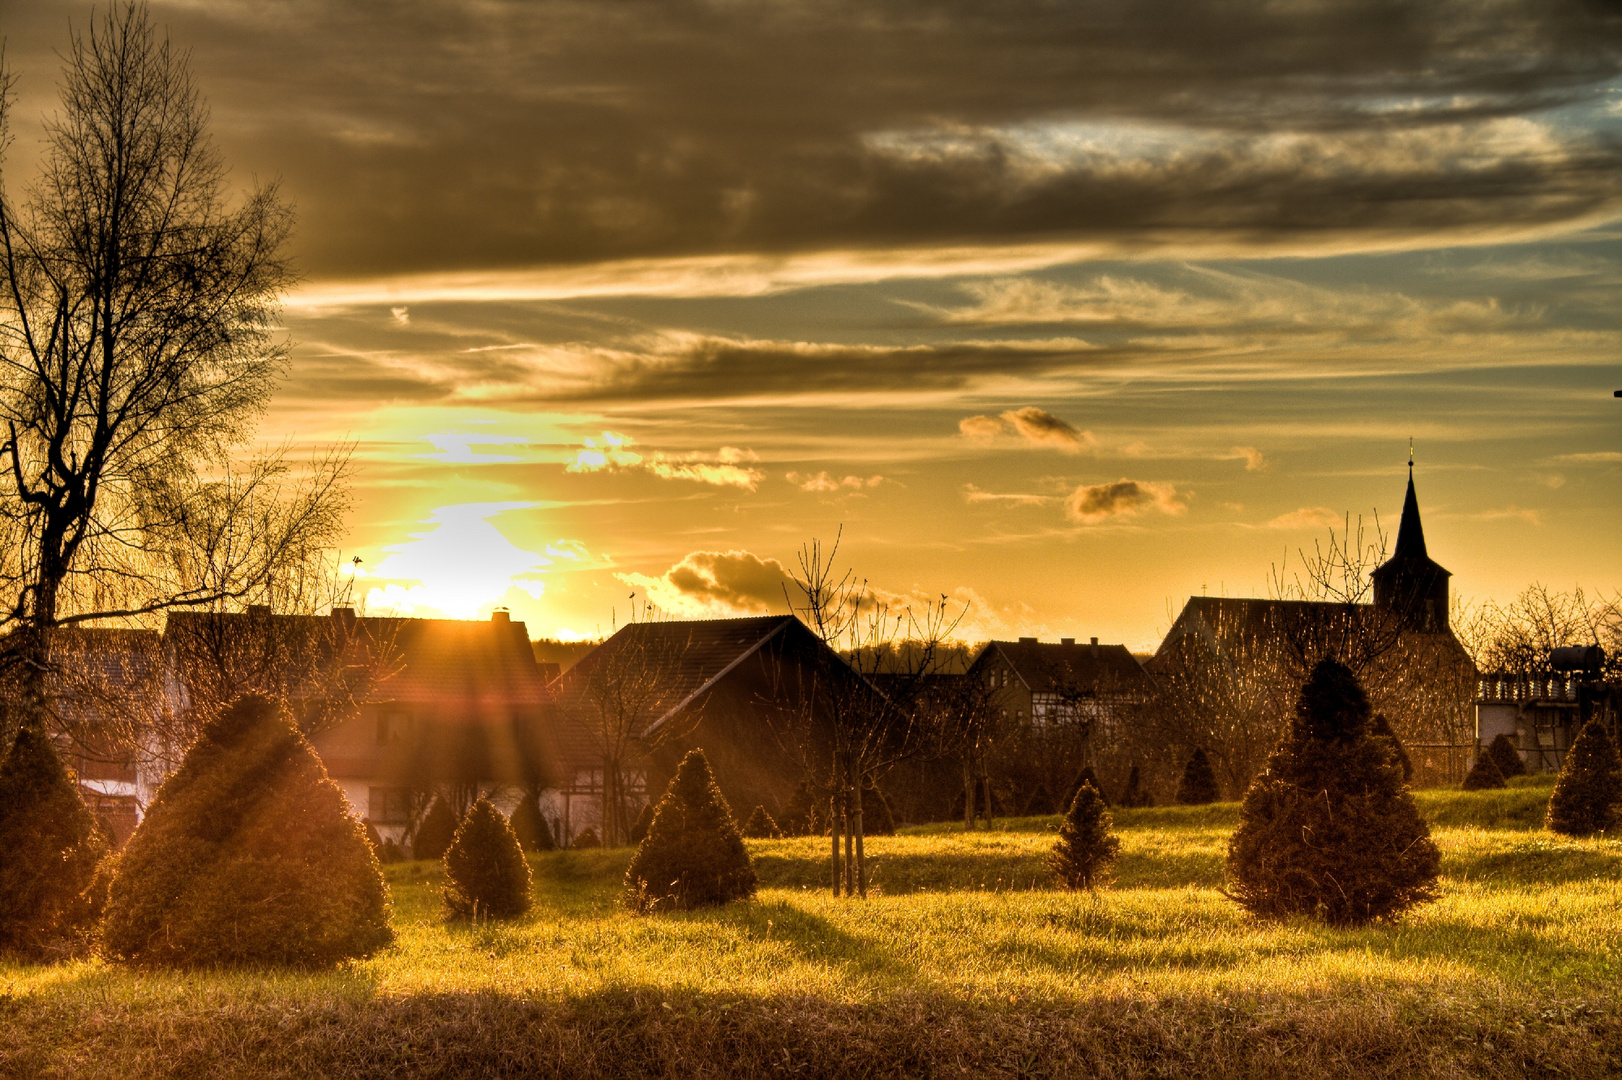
(804, 813)
(1198, 786)
(693, 855)
(390, 852)
(1381, 729)
(639, 827)
(876, 817)
(485, 872)
(248, 854)
(50, 848)
(534, 832)
(1506, 757)
(1040, 804)
(587, 839)
(1586, 794)
(761, 826)
(1082, 857)
(1134, 794)
(1483, 775)
(1086, 776)
(373, 839)
(1329, 829)
(434, 832)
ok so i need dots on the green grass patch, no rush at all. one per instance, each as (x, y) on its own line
(964, 958)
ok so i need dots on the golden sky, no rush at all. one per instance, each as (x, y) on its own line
(1067, 311)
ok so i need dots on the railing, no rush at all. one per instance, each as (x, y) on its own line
(1532, 686)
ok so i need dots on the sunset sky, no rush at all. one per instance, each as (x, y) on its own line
(1068, 311)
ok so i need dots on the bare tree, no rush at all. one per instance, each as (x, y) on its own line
(137, 351)
(858, 710)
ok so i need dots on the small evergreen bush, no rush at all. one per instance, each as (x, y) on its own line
(1329, 829)
(639, 827)
(1134, 794)
(485, 872)
(1198, 786)
(1085, 850)
(760, 826)
(804, 814)
(1040, 804)
(1483, 775)
(1086, 776)
(876, 817)
(434, 832)
(693, 855)
(373, 839)
(586, 839)
(1506, 757)
(1381, 729)
(1585, 796)
(248, 854)
(50, 850)
(534, 832)
(390, 853)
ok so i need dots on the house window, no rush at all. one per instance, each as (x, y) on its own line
(392, 727)
(388, 806)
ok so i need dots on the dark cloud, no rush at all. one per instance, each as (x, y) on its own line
(720, 582)
(436, 135)
(1092, 504)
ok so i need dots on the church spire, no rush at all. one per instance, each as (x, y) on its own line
(1410, 533)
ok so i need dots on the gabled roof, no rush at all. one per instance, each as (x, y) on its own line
(689, 656)
(1051, 667)
(428, 661)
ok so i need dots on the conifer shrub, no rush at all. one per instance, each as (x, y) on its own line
(1198, 787)
(586, 839)
(876, 817)
(1483, 775)
(1329, 829)
(804, 814)
(760, 826)
(50, 852)
(391, 852)
(1040, 804)
(1086, 776)
(373, 839)
(1085, 850)
(248, 854)
(485, 872)
(434, 832)
(1586, 793)
(693, 855)
(1381, 729)
(639, 827)
(1506, 757)
(534, 832)
(1135, 794)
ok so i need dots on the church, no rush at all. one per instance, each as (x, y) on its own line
(1398, 641)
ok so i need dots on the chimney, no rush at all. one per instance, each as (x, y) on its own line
(344, 616)
(1027, 641)
(1067, 641)
(1095, 648)
(501, 616)
(259, 611)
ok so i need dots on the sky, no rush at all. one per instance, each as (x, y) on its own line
(1064, 311)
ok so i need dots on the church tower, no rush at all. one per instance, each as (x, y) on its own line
(1409, 583)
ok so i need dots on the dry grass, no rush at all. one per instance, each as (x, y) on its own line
(966, 960)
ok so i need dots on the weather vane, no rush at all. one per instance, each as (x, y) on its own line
(1410, 453)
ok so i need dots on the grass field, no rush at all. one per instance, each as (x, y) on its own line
(964, 961)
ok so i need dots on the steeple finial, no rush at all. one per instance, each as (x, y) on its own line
(1410, 455)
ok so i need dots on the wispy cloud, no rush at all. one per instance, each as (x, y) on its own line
(1034, 425)
(725, 468)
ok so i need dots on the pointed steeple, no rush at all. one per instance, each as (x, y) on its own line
(1410, 533)
(1410, 583)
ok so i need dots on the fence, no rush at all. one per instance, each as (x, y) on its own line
(1439, 764)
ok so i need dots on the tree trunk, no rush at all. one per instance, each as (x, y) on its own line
(850, 847)
(856, 828)
(969, 785)
(985, 787)
(833, 832)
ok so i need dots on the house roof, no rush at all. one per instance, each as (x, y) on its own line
(1051, 667)
(430, 661)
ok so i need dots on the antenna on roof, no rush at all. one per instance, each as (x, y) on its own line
(1410, 453)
